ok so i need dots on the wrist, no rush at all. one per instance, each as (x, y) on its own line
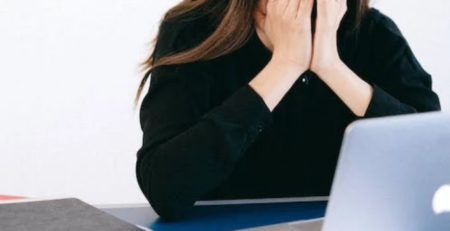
(326, 33)
(288, 64)
(328, 69)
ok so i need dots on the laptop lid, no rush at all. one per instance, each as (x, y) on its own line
(393, 175)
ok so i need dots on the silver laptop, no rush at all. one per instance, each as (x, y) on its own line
(393, 175)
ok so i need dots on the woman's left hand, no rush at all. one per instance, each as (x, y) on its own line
(325, 51)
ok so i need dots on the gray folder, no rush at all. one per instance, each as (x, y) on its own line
(58, 215)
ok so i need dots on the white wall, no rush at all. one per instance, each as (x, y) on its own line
(68, 73)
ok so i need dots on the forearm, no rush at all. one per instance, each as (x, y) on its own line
(175, 175)
(178, 166)
(407, 85)
(275, 80)
(350, 88)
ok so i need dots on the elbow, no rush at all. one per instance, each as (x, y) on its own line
(168, 202)
(436, 107)
(166, 199)
(428, 104)
(168, 209)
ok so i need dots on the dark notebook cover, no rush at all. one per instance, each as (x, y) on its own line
(58, 215)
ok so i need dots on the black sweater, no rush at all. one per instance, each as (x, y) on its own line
(209, 135)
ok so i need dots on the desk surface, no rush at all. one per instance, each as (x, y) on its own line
(223, 217)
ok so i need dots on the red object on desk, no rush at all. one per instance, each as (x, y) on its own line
(4, 197)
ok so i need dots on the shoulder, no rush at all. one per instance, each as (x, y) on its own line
(376, 32)
(180, 35)
(382, 29)
(177, 36)
(388, 46)
(383, 22)
(382, 34)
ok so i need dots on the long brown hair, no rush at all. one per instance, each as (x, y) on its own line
(235, 25)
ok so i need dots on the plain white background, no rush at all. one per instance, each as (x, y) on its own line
(68, 74)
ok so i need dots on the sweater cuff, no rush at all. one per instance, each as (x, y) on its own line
(246, 108)
(383, 104)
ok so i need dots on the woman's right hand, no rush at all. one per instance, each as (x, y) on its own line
(286, 24)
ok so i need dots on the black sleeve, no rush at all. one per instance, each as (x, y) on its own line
(187, 148)
(401, 85)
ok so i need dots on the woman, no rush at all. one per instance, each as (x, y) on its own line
(250, 99)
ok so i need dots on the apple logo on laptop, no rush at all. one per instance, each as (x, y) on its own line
(441, 200)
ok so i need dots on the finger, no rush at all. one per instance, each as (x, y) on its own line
(292, 7)
(305, 8)
(343, 7)
(279, 6)
(276, 3)
(321, 5)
